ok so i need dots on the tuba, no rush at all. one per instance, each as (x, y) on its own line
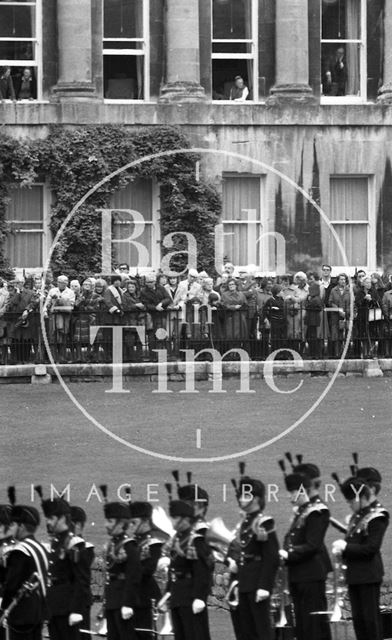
(232, 596)
(219, 537)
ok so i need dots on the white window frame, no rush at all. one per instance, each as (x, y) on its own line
(262, 250)
(45, 231)
(362, 98)
(371, 223)
(155, 224)
(37, 41)
(254, 55)
(144, 51)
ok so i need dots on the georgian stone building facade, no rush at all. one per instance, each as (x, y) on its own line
(318, 113)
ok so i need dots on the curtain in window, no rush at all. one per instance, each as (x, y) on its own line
(23, 245)
(353, 32)
(138, 197)
(349, 202)
(240, 195)
(138, 7)
(248, 35)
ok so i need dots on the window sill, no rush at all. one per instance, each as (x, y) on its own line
(350, 100)
(235, 103)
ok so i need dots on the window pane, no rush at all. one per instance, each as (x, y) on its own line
(123, 18)
(232, 19)
(24, 249)
(136, 196)
(18, 22)
(349, 199)
(17, 50)
(241, 201)
(120, 44)
(223, 74)
(123, 77)
(232, 47)
(341, 69)
(341, 19)
(354, 240)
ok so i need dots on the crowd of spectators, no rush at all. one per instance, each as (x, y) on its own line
(306, 312)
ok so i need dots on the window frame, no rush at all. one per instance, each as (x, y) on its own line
(362, 42)
(144, 51)
(371, 222)
(254, 56)
(37, 44)
(262, 246)
(45, 230)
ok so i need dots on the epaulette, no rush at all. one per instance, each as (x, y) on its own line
(260, 527)
(88, 545)
(315, 507)
(73, 541)
(201, 525)
(377, 512)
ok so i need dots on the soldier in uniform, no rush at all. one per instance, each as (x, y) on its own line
(123, 573)
(305, 555)
(149, 540)
(69, 573)
(26, 577)
(6, 541)
(78, 521)
(190, 575)
(360, 552)
(256, 561)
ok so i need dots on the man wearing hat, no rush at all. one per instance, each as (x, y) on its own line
(198, 498)
(305, 554)
(27, 571)
(189, 576)
(78, 520)
(123, 573)
(360, 552)
(257, 562)
(69, 573)
(190, 292)
(372, 478)
(149, 540)
(6, 541)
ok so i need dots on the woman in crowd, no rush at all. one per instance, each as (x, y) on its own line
(98, 318)
(313, 306)
(366, 309)
(339, 299)
(83, 316)
(295, 312)
(135, 316)
(234, 304)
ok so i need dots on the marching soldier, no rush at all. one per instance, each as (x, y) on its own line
(190, 575)
(198, 498)
(69, 573)
(26, 579)
(123, 572)
(78, 521)
(305, 555)
(256, 563)
(360, 552)
(149, 540)
(6, 543)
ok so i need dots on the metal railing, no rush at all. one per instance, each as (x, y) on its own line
(313, 335)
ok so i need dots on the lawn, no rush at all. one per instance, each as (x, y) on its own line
(45, 439)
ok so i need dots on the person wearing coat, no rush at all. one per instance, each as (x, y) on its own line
(295, 312)
(134, 311)
(156, 300)
(386, 305)
(19, 329)
(313, 308)
(339, 299)
(233, 303)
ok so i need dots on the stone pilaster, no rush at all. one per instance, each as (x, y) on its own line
(75, 44)
(183, 54)
(292, 53)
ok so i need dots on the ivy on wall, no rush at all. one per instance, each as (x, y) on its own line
(73, 161)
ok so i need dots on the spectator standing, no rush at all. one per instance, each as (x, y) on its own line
(60, 303)
(313, 308)
(135, 316)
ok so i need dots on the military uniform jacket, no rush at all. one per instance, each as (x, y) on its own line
(123, 573)
(21, 565)
(149, 548)
(6, 546)
(191, 567)
(69, 580)
(259, 553)
(364, 538)
(308, 559)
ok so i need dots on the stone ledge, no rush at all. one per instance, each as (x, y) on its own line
(202, 370)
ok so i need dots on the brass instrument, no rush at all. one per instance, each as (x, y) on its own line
(219, 537)
(339, 588)
(232, 596)
(282, 622)
(166, 626)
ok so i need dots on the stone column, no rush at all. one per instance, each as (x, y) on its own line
(182, 53)
(75, 44)
(292, 53)
(385, 92)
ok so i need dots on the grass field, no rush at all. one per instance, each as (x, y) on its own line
(45, 439)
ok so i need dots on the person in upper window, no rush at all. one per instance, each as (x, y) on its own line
(335, 77)
(7, 91)
(25, 85)
(239, 92)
